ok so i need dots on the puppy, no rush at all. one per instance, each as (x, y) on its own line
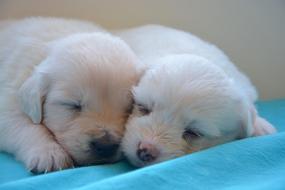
(65, 93)
(191, 97)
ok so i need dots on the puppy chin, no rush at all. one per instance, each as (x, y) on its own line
(83, 159)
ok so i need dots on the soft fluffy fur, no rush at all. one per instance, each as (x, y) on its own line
(190, 98)
(65, 92)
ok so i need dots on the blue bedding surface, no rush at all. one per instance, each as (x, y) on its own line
(253, 163)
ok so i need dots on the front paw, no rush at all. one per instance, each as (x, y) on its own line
(47, 158)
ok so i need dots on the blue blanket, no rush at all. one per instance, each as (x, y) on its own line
(253, 163)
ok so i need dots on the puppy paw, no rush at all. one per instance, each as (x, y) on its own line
(47, 158)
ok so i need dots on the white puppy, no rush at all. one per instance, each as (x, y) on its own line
(65, 92)
(190, 98)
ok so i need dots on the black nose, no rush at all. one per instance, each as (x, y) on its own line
(144, 155)
(105, 146)
(147, 152)
(103, 149)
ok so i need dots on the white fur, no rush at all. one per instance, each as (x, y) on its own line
(47, 66)
(188, 83)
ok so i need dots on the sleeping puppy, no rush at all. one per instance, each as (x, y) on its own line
(191, 97)
(65, 93)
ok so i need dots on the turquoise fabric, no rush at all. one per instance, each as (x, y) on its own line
(253, 163)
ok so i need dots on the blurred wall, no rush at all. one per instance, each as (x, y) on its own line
(252, 32)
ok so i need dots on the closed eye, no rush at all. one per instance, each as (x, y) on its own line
(191, 132)
(143, 109)
(189, 135)
(74, 106)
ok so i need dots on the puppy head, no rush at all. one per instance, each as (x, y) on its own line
(81, 92)
(183, 104)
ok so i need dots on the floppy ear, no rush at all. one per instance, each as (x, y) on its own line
(31, 96)
(261, 126)
(254, 125)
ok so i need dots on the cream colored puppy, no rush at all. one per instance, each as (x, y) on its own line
(191, 97)
(64, 92)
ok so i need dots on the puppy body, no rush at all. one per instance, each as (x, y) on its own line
(152, 42)
(25, 44)
(64, 92)
(190, 98)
